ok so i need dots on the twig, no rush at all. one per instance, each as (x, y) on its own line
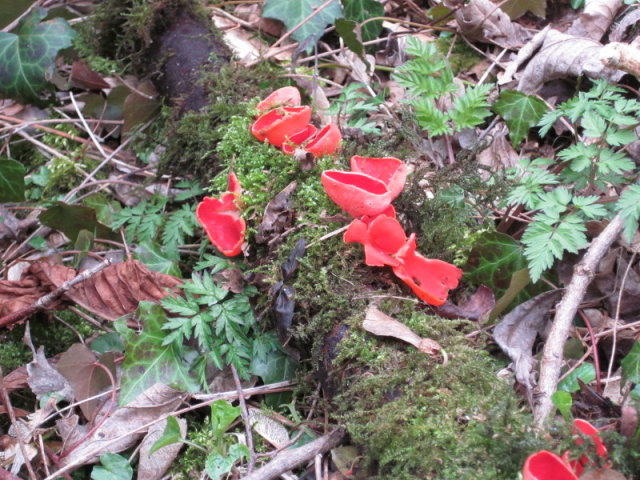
(7, 405)
(617, 317)
(289, 459)
(86, 126)
(245, 419)
(567, 308)
(46, 300)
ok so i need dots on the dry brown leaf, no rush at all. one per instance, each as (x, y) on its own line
(602, 474)
(500, 154)
(122, 429)
(552, 55)
(278, 215)
(484, 21)
(383, 325)
(595, 19)
(153, 467)
(268, 428)
(44, 379)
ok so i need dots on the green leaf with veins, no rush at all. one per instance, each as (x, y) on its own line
(293, 12)
(360, 10)
(631, 364)
(27, 59)
(147, 361)
(520, 112)
(11, 181)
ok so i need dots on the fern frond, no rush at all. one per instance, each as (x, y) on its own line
(471, 108)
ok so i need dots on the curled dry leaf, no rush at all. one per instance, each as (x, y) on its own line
(278, 215)
(517, 332)
(483, 21)
(553, 55)
(110, 294)
(595, 19)
(383, 325)
(268, 428)
(122, 429)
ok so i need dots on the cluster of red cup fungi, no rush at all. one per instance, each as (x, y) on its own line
(284, 123)
(366, 192)
(220, 218)
(545, 465)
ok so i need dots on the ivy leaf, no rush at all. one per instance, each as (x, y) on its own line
(346, 30)
(293, 12)
(170, 435)
(360, 10)
(217, 465)
(114, 467)
(631, 364)
(72, 219)
(147, 361)
(27, 59)
(585, 372)
(520, 111)
(11, 180)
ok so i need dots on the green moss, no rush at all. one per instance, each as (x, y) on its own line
(416, 418)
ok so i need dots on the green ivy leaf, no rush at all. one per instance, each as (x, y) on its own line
(72, 219)
(170, 435)
(153, 257)
(631, 364)
(346, 30)
(114, 467)
(147, 361)
(11, 180)
(520, 111)
(27, 59)
(563, 401)
(217, 465)
(293, 12)
(360, 10)
(585, 372)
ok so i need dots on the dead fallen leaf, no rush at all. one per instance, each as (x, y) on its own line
(595, 19)
(517, 332)
(499, 154)
(79, 365)
(278, 215)
(383, 325)
(602, 474)
(82, 76)
(153, 467)
(484, 21)
(122, 429)
(44, 379)
(268, 428)
(476, 308)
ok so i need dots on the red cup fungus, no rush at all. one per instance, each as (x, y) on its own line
(283, 97)
(382, 237)
(391, 171)
(325, 142)
(429, 279)
(220, 218)
(277, 125)
(298, 139)
(545, 465)
(356, 193)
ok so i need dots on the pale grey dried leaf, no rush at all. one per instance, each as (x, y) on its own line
(268, 428)
(595, 19)
(153, 467)
(44, 379)
(482, 20)
(125, 425)
(517, 332)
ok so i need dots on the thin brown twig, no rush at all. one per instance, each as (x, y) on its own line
(245, 419)
(12, 416)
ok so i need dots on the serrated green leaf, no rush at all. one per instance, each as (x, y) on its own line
(520, 112)
(11, 181)
(293, 12)
(27, 59)
(629, 207)
(631, 364)
(585, 372)
(594, 125)
(170, 435)
(114, 467)
(147, 361)
(360, 10)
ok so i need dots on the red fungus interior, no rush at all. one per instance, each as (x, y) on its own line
(545, 465)
(380, 168)
(363, 182)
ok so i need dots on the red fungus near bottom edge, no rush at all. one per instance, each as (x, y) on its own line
(545, 465)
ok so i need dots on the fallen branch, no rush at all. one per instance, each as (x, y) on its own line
(289, 459)
(46, 300)
(551, 363)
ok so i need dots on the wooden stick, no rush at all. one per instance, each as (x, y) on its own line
(289, 459)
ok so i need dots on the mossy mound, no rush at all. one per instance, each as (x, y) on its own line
(417, 418)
